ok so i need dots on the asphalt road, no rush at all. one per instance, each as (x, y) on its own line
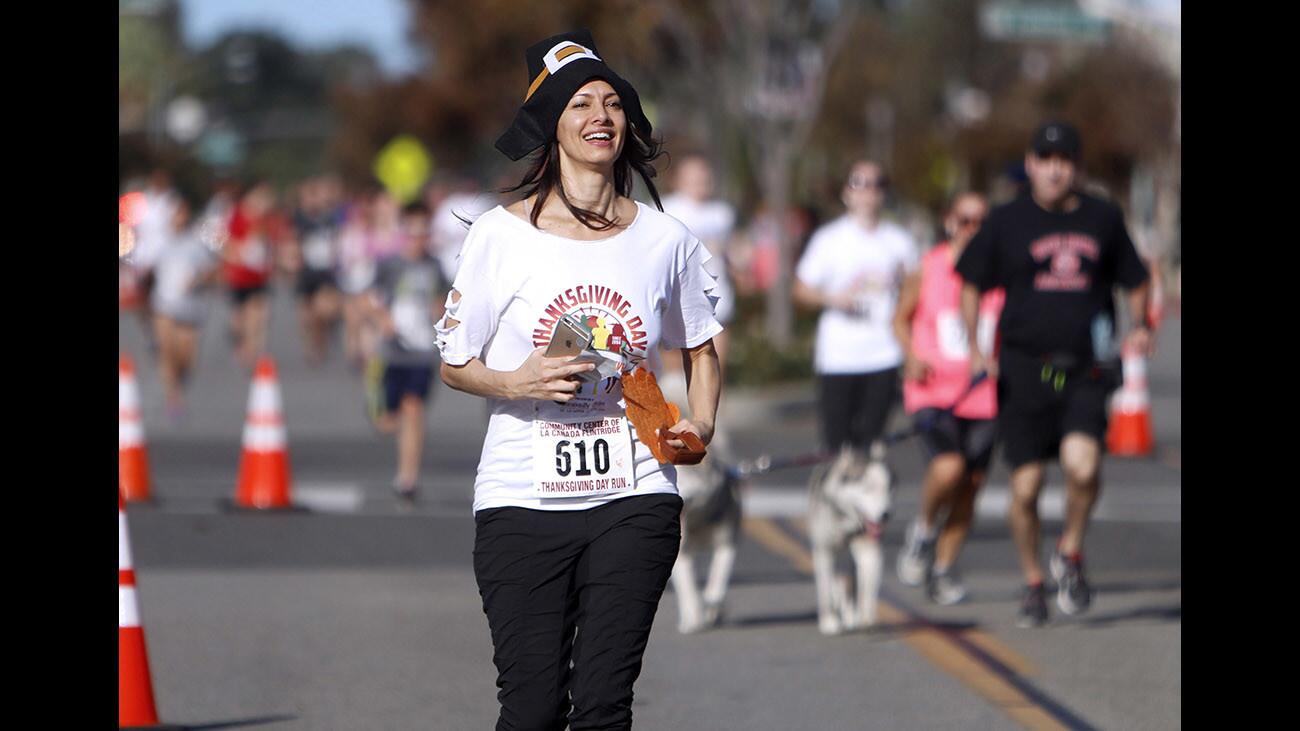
(360, 613)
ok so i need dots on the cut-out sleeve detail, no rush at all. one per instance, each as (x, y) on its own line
(690, 318)
(470, 317)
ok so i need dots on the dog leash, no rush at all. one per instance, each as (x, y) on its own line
(767, 463)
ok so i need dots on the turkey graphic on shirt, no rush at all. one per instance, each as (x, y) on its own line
(614, 324)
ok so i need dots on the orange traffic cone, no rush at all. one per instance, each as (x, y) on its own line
(132, 463)
(135, 705)
(264, 464)
(1130, 411)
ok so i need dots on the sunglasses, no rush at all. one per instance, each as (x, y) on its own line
(861, 183)
(963, 221)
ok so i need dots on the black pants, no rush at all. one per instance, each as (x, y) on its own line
(854, 406)
(542, 574)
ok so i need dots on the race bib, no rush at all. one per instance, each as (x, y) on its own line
(952, 335)
(318, 251)
(582, 455)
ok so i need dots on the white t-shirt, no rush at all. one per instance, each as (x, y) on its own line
(844, 257)
(154, 232)
(712, 222)
(177, 269)
(643, 288)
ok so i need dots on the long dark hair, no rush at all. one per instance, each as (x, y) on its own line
(543, 176)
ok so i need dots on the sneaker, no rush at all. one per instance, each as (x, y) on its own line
(945, 588)
(916, 557)
(1073, 595)
(1033, 607)
(405, 493)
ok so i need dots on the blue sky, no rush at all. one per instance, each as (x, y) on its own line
(379, 25)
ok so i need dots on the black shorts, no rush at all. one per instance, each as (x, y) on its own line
(855, 406)
(311, 281)
(542, 574)
(240, 295)
(1034, 415)
(942, 433)
(400, 380)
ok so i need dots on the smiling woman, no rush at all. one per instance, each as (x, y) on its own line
(577, 518)
(600, 126)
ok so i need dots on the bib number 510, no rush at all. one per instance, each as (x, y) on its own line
(564, 460)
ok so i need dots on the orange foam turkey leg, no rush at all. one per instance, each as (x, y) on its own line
(650, 413)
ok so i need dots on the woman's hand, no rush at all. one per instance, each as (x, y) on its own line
(549, 379)
(846, 302)
(702, 429)
(915, 369)
(978, 364)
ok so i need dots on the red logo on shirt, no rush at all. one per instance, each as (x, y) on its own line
(1066, 250)
(607, 312)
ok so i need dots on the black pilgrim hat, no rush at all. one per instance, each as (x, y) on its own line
(558, 67)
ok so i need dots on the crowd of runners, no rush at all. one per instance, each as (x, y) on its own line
(1026, 287)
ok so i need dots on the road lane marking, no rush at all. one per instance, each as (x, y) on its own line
(779, 542)
(975, 658)
(327, 498)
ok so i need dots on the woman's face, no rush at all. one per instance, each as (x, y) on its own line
(965, 218)
(593, 127)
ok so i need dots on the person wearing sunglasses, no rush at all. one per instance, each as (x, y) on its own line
(1059, 253)
(958, 426)
(851, 271)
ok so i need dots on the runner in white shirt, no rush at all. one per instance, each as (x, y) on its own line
(449, 228)
(577, 523)
(852, 270)
(153, 231)
(712, 221)
(183, 269)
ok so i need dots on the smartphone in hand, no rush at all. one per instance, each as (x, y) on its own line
(570, 338)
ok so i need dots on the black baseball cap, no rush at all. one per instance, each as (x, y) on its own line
(1056, 138)
(557, 67)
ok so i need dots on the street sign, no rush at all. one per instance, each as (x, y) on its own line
(221, 147)
(403, 166)
(1013, 21)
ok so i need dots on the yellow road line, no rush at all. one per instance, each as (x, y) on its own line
(930, 642)
(765, 532)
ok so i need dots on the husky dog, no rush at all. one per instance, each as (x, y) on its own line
(848, 505)
(710, 521)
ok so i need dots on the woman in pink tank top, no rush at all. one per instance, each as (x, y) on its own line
(958, 427)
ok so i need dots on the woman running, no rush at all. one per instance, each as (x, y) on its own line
(577, 523)
(936, 376)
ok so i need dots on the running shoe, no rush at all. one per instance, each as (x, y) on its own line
(916, 557)
(405, 492)
(945, 588)
(1073, 595)
(1033, 607)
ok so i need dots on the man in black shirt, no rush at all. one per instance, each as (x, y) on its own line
(1059, 253)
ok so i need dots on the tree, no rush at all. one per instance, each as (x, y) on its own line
(766, 63)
